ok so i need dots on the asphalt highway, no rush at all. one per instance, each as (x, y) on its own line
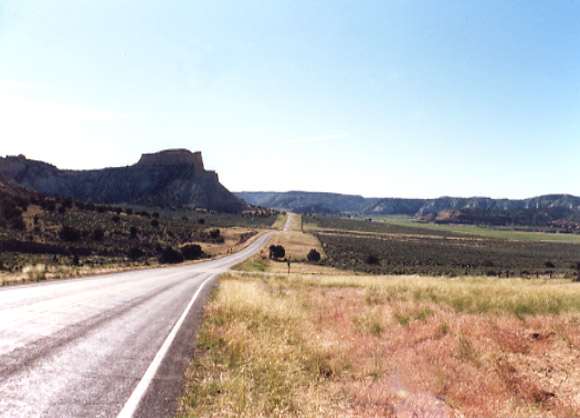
(104, 346)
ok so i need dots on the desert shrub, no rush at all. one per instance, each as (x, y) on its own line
(201, 221)
(488, 263)
(372, 259)
(98, 234)
(277, 252)
(18, 223)
(135, 253)
(191, 251)
(133, 231)
(155, 223)
(170, 256)
(128, 211)
(549, 265)
(313, 256)
(62, 210)
(215, 233)
(70, 234)
(67, 202)
(155, 214)
(116, 219)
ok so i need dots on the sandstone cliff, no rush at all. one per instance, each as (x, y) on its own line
(171, 178)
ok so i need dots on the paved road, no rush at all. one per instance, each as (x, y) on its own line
(81, 347)
(288, 220)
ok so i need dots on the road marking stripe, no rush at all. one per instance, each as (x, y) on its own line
(133, 401)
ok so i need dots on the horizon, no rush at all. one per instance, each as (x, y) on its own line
(399, 98)
(311, 191)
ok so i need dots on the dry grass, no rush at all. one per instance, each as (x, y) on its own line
(383, 346)
(297, 246)
(231, 242)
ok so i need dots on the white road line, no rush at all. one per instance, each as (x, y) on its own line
(133, 401)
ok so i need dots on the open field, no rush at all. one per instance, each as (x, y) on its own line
(367, 346)
(490, 232)
(323, 342)
(398, 226)
(396, 247)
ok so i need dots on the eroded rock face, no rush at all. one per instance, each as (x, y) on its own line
(172, 157)
(171, 178)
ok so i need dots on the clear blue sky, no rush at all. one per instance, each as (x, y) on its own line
(379, 98)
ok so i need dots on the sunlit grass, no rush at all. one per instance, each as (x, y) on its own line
(488, 232)
(298, 345)
(470, 294)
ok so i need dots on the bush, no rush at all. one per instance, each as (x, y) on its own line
(70, 234)
(133, 231)
(170, 256)
(191, 251)
(277, 252)
(116, 219)
(18, 224)
(155, 223)
(201, 221)
(98, 234)
(313, 256)
(549, 265)
(372, 259)
(135, 253)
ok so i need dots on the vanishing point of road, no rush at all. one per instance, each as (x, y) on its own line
(114, 345)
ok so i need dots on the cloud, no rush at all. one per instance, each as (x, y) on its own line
(317, 139)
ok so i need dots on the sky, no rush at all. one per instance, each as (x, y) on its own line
(390, 98)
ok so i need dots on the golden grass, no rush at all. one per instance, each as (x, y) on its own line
(470, 294)
(231, 242)
(280, 222)
(293, 346)
(297, 245)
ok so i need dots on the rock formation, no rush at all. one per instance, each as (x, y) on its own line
(171, 178)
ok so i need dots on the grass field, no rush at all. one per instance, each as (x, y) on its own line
(396, 225)
(323, 342)
(404, 247)
(366, 346)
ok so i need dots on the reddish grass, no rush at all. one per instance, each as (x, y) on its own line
(474, 365)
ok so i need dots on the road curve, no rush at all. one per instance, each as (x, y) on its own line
(80, 347)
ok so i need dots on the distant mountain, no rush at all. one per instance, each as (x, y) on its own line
(170, 178)
(558, 210)
(424, 207)
(308, 202)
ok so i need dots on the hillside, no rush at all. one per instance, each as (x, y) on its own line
(308, 202)
(167, 179)
(423, 207)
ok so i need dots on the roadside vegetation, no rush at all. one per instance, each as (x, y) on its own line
(405, 248)
(276, 345)
(323, 341)
(42, 238)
